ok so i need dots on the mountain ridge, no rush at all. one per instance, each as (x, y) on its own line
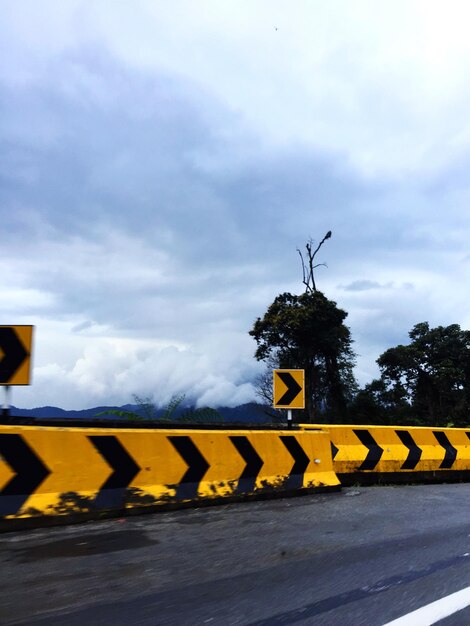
(250, 413)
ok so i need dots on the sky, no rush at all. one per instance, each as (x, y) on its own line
(161, 162)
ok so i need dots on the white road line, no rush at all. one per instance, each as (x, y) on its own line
(432, 613)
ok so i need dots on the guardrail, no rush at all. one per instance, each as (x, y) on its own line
(57, 471)
(372, 453)
(50, 473)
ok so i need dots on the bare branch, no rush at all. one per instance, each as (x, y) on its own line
(327, 236)
(308, 277)
(303, 266)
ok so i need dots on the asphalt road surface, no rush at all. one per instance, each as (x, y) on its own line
(366, 555)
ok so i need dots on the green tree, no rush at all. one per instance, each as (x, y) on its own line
(434, 373)
(308, 332)
(426, 382)
(379, 403)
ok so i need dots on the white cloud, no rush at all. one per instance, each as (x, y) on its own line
(110, 371)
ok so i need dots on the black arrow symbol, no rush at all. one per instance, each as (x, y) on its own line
(14, 353)
(301, 461)
(293, 389)
(197, 467)
(247, 480)
(112, 493)
(451, 452)
(414, 454)
(375, 451)
(30, 473)
(334, 450)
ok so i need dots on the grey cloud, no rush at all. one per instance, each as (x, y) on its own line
(364, 285)
(92, 142)
(78, 328)
(103, 148)
(141, 202)
(367, 285)
(93, 150)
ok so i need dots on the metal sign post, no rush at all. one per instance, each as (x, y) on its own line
(6, 404)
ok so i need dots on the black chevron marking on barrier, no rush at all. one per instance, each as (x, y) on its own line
(293, 388)
(451, 452)
(197, 467)
(375, 451)
(415, 452)
(295, 479)
(112, 493)
(30, 473)
(334, 450)
(254, 463)
(14, 353)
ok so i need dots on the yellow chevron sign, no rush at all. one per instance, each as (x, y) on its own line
(289, 389)
(15, 354)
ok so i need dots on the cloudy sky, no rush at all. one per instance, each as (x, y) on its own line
(160, 162)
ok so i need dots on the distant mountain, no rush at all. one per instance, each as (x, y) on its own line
(251, 413)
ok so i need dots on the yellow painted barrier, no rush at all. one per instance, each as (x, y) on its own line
(50, 471)
(398, 449)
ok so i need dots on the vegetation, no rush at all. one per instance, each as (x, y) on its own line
(426, 382)
(307, 331)
(173, 412)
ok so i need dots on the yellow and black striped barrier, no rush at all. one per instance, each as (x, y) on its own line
(399, 451)
(54, 471)
(48, 471)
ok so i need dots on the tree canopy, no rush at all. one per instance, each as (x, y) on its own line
(424, 382)
(307, 331)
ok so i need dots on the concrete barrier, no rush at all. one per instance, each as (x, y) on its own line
(399, 450)
(60, 471)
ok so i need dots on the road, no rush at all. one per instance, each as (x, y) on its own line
(366, 555)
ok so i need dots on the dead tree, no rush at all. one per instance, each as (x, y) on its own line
(308, 266)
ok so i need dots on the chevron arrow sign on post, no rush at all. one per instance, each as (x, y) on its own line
(289, 389)
(15, 354)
